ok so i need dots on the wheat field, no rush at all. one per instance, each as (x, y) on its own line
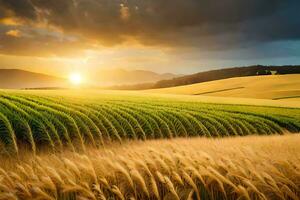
(251, 167)
(284, 87)
(127, 145)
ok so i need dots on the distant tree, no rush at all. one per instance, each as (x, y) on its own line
(264, 72)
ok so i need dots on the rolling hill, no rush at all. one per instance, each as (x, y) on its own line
(284, 87)
(227, 73)
(179, 80)
(19, 79)
(122, 77)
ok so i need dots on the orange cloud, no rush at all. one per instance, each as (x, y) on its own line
(9, 21)
(13, 33)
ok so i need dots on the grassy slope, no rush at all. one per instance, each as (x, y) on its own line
(260, 87)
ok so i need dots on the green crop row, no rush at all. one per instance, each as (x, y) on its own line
(52, 121)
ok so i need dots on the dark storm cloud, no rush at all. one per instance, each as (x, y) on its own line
(209, 24)
(20, 8)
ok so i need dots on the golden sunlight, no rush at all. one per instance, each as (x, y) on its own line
(75, 78)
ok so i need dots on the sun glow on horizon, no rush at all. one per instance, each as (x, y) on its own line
(75, 78)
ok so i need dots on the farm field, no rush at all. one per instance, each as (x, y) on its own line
(249, 167)
(283, 87)
(149, 100)
(88, 144)
(50, 119)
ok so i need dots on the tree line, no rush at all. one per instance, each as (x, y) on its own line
(228, 73)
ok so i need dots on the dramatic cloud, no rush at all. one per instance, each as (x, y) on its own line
(154, 21)
(202, 26)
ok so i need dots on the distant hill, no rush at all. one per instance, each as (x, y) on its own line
(227, 73)
(276, 87)
(113, 77)
(21, 79)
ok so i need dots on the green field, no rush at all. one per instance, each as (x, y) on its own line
(57, 119)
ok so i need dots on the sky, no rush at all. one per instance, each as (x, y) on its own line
(178, 36)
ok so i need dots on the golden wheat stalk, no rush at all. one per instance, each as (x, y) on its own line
(140, 181)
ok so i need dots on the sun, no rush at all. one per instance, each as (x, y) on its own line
(75, 78)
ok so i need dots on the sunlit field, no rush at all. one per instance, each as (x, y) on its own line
(88, 144)
(251, 167)
(277, 87)
(52, 120)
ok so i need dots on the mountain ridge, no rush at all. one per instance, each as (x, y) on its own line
(120, 76)
(22, 79)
